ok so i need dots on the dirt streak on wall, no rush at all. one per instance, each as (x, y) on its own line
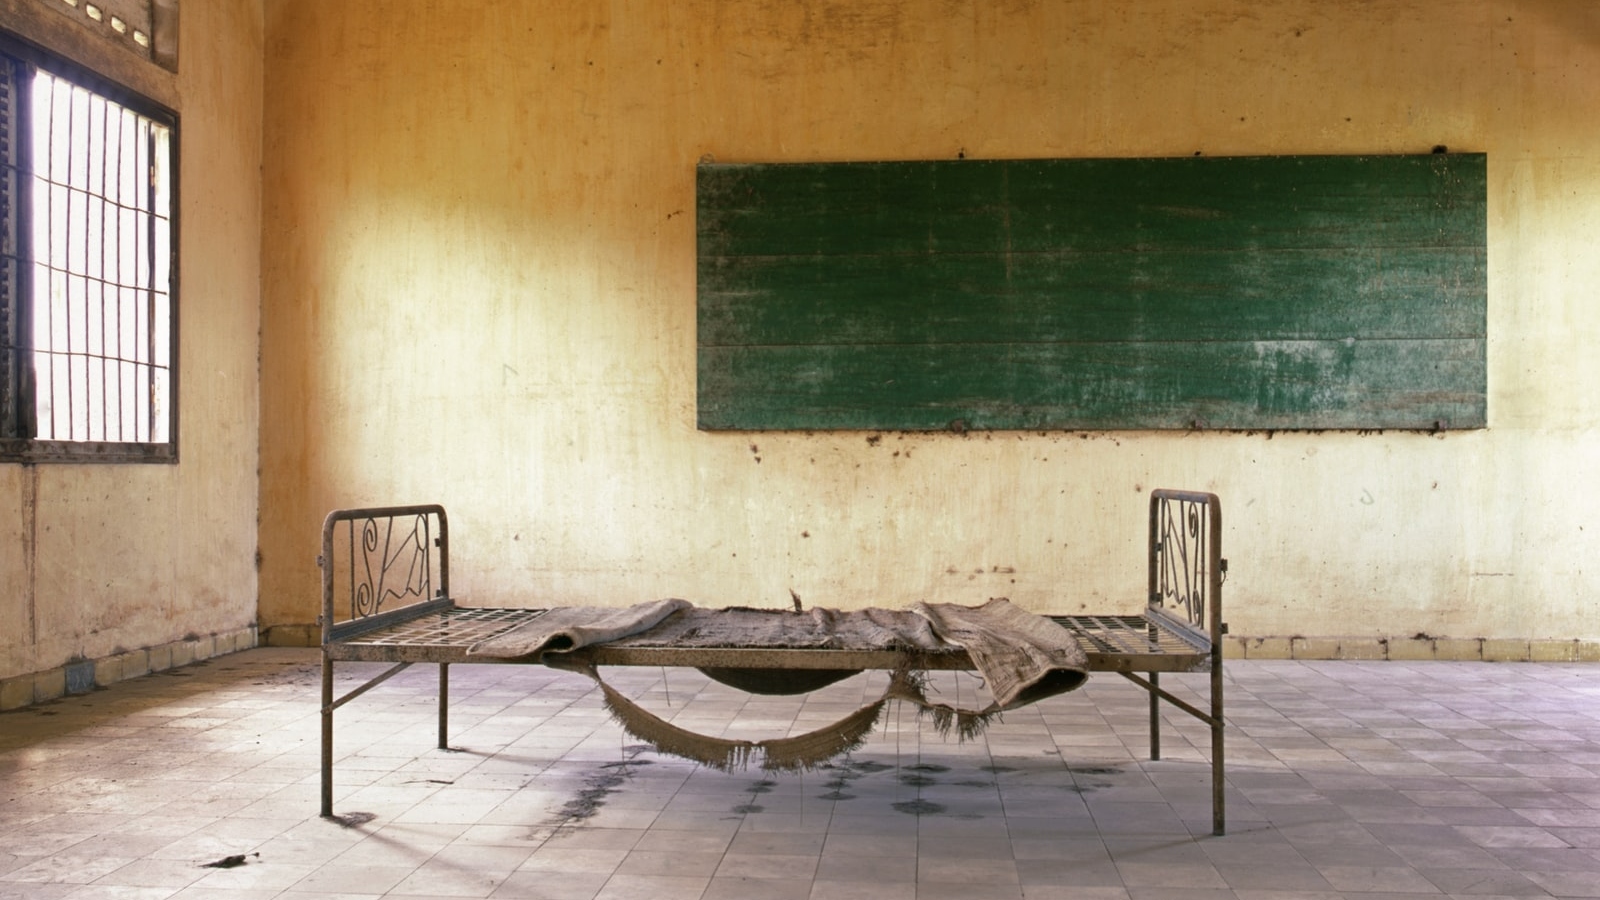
(30, 539)
(99, 561)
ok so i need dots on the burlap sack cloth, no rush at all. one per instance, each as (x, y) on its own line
(1022, 658)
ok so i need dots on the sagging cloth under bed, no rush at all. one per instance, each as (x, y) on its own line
(1021, 657)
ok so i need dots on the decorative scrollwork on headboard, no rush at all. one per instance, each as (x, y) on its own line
(391, 565)
(1185, 565)
(380, 559)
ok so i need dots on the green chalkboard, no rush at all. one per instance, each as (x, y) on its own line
(1244, 293)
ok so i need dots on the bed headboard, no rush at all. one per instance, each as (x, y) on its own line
(381, 564)
(1186, 564)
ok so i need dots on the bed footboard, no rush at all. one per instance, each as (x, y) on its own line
(1186, 571)
(381, 567)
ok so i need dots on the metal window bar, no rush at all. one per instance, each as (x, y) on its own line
(100, 294)
(13, 245)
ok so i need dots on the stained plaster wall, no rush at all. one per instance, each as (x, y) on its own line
(136, 566)
(479, 289)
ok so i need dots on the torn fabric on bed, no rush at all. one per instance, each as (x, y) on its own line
(1021, 657)
(568, 628)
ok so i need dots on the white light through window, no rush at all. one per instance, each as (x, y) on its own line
(101, 242)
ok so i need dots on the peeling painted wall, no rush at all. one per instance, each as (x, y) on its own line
(96, 560)
(478, 289)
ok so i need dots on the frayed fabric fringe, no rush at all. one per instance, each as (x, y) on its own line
(911, 686)
(788, 754)
(801, 752)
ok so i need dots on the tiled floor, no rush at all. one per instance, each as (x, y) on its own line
(1368, 780)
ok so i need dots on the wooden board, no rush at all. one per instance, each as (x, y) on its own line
(1262, 292)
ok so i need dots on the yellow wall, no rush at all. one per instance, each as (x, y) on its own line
(478, 288)
(99, 561)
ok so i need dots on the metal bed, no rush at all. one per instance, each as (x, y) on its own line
(386, 598)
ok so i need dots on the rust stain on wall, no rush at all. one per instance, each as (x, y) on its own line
(29, 507)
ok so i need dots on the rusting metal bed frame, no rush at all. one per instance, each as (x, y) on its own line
(386, 598)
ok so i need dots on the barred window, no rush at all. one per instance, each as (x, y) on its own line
(87, 314)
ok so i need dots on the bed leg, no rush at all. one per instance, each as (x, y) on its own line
(1155, 717)
(444, 706)
(327, 737)
(1218, 784)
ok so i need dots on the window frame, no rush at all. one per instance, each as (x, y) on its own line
(18, 430)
